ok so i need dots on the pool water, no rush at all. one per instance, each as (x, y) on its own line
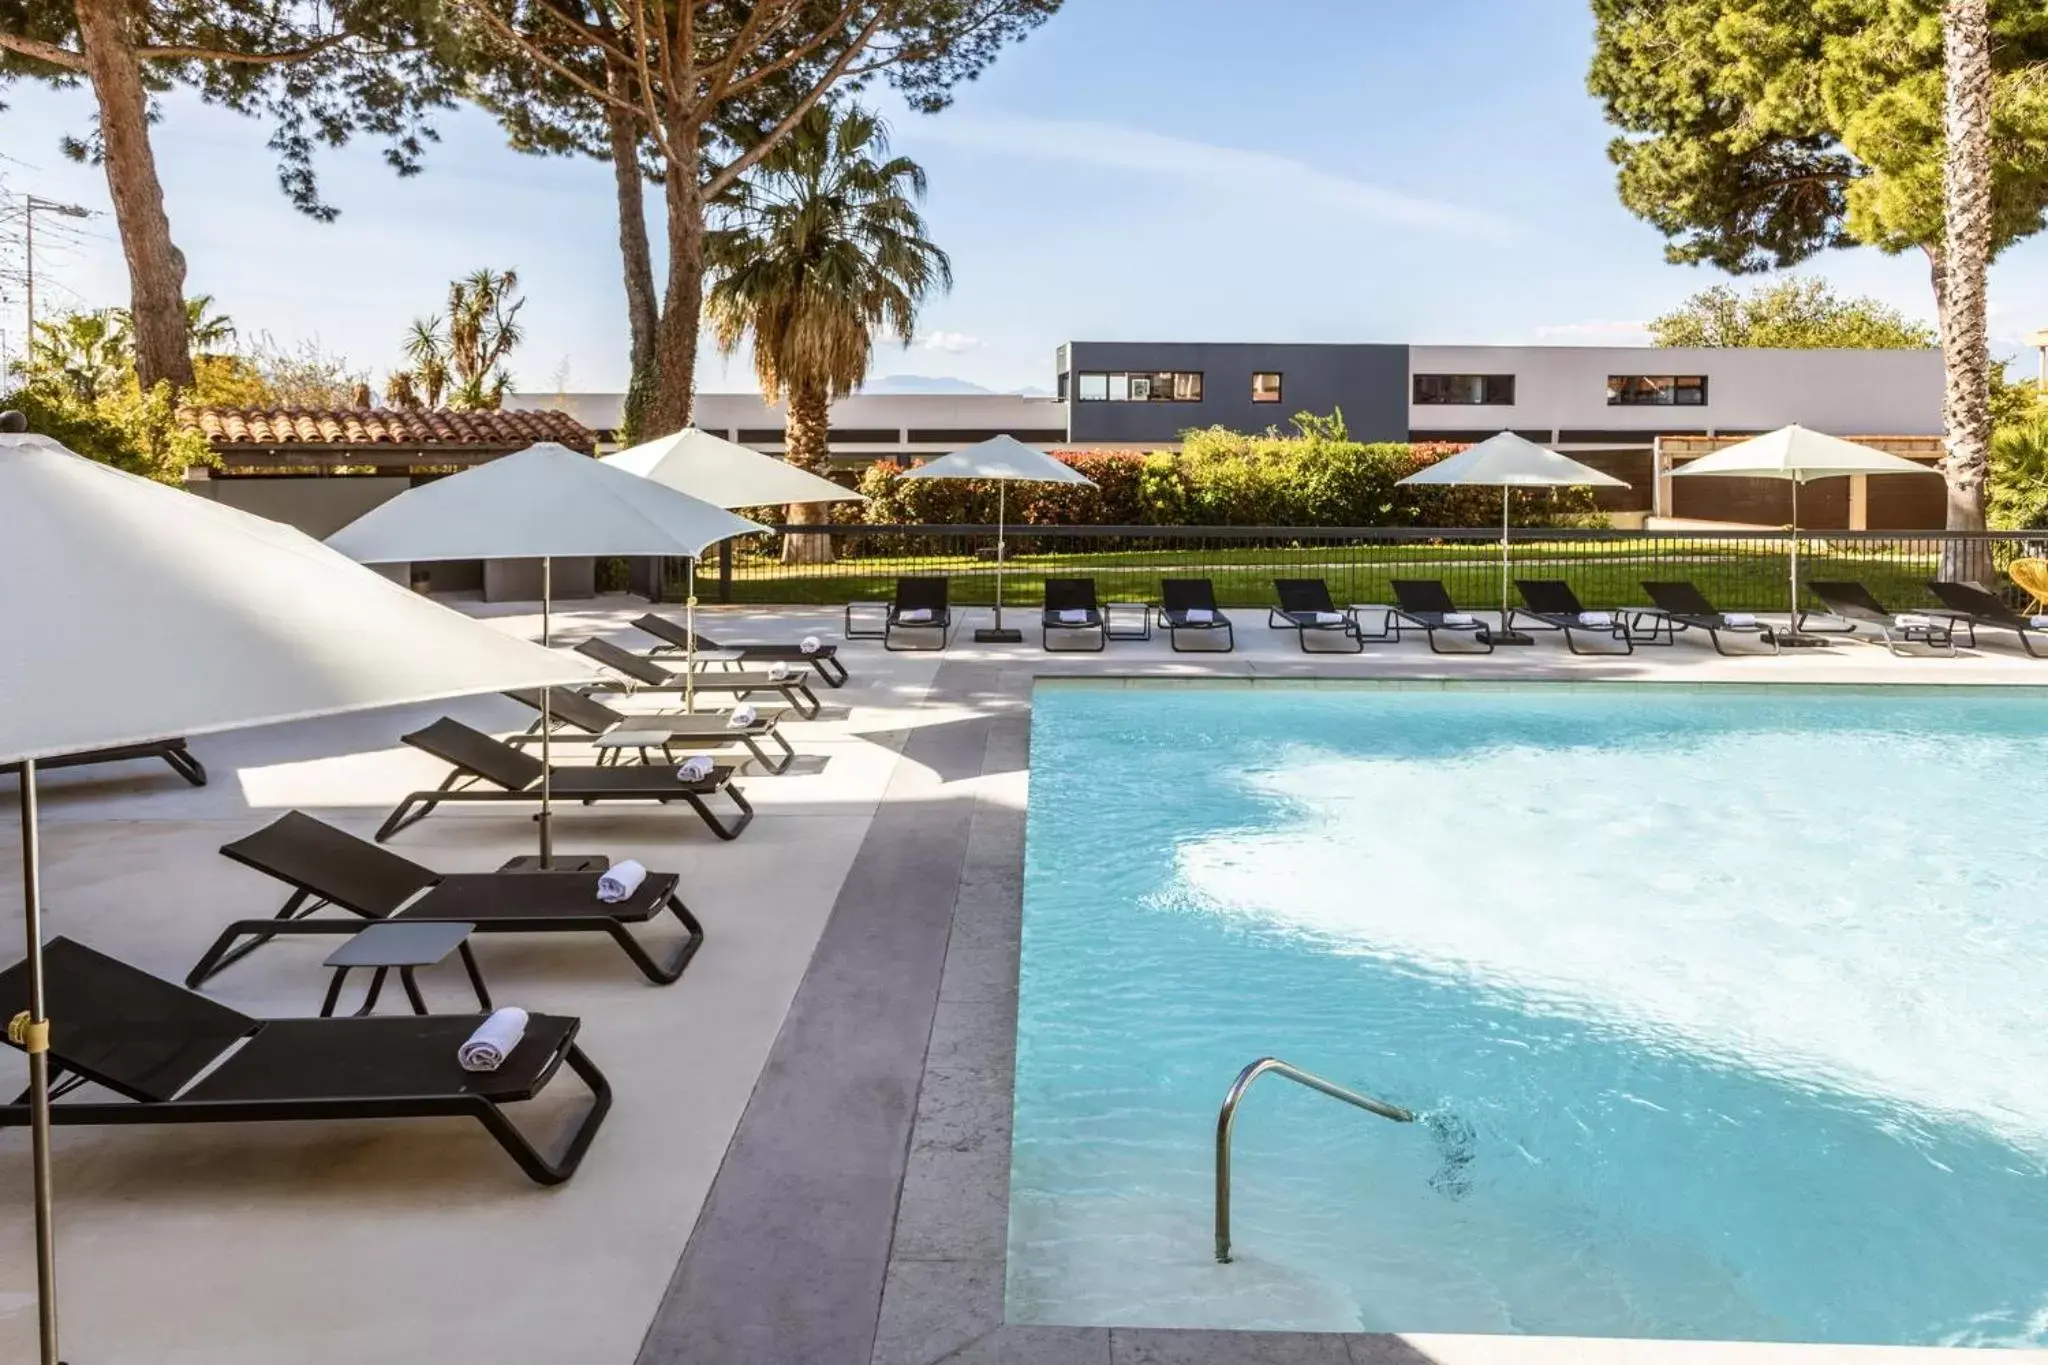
(1723, 1010)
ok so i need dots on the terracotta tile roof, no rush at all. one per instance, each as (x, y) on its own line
(230, 427)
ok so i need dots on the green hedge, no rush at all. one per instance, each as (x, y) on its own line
(1226, 478)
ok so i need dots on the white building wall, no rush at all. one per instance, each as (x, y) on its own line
(1849, 393)
(913, 420)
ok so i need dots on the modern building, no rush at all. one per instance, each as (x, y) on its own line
(1628, 410)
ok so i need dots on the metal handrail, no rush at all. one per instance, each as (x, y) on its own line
(1226, 1120)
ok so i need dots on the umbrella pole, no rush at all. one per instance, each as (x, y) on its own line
(690, 629)
(1002, 515)
(1792, 622)
(1503, 558)
(547, 723)
(31, 1031)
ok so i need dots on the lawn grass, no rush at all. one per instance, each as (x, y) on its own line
(1744, 576)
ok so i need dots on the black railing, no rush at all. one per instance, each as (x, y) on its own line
(1737, 570)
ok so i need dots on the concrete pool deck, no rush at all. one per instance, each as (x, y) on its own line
(807, 1160)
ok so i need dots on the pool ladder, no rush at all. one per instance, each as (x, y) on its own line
(1226, 1120)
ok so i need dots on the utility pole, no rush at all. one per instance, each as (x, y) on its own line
(47, 206)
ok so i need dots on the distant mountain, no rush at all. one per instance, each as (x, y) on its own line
(921, 383)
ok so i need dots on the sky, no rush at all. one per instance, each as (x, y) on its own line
(1137, 170)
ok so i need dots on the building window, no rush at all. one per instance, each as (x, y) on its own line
(1468, 390)
(1063, 386)
(1656, 391)
(1141, 386)
(1266, 386)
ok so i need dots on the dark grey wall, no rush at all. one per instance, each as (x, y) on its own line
(1369, 382)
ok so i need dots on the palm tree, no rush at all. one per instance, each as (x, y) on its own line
(208, 332)
(429, 357)
(1962, 263)
(816, 250)
(88, 355)
(463, 357)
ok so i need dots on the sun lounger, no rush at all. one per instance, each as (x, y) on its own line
(1551, 604)
(675, 639)
(1970, 606)
(1190, 604)
(175, 1056)
(172, 751)
(486, 769)
(1681, 606)
(1305, 607)
(922, 604)
(1426, 605)
(644, 675)
(1852, 602)
(326, 866)
(1070, 607)
(668, 731)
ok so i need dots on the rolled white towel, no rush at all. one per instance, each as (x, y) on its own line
(1072, 616)
(494, 1039)
(1599, 620)
(619, 881)
(1328, 618)
(1198, 616)
(1913, 620)
(1737, 618)
(743, 716)
(695, 768)
(2038, 622)
(810, 644)
(781, 672)
(1460, 618)
(915, 616)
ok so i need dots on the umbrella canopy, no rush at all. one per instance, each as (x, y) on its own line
(1799, 455)
(1000, 457)
(546, 501)
(725, 473)
(141, 612)
(1510, 461)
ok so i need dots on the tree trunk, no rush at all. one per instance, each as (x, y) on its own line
(806, 446)
(1961, 265)
(637, 258)
(682, 304)
(156, 268)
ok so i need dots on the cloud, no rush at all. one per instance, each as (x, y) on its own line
(1599, 332)
(952, 343)
(1248, 173)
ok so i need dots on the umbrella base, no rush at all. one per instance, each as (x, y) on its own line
(999, 635)
(1513, 637)
(1803, 642)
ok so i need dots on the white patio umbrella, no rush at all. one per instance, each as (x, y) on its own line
(1797, 455)
(1510, 461)
(546, 502)
(1004, 460)
(725, 473)
(141, 612)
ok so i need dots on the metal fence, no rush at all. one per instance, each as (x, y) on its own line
(1737, 570)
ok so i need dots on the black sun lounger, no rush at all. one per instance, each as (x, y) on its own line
(486, 769)
(175, 1056)
(1305, 606)
(172, 751)
(1190, 604)
(925, 603)
(644, 675)
(664, 730)
(1426, 605)
(1970, 606)
(1681, 606)
(1070, 606)
(1551, 604)
(675, 639)
(1852, 602)
(326, 866)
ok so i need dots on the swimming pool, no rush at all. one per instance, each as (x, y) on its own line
(1723, 1010)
